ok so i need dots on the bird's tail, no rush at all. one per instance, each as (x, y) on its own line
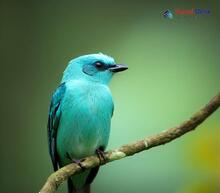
(71, 189)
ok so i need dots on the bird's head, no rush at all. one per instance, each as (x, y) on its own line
(92, 67)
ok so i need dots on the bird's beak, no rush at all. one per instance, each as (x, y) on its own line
(118, 68)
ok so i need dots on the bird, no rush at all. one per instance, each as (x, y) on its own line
(80, 115)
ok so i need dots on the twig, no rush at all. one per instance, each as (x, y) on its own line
(55, 179)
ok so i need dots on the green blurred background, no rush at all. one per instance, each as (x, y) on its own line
(174, 69)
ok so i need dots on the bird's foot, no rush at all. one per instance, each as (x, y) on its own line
(101, 155)
(77, 161)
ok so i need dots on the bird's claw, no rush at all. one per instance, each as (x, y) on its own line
(77, 161)
(101, 156)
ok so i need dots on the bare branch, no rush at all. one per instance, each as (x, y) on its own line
(55, 179)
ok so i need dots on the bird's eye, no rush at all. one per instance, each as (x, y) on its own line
(99, 65)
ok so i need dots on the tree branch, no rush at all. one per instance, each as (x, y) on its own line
(55, 179)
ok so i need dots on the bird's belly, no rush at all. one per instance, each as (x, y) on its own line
(83, 128)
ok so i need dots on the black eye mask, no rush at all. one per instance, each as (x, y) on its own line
(96, 67)
(100, 66)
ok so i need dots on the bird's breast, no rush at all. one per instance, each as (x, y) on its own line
(85, 119)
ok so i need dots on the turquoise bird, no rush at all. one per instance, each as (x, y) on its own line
(80, 115)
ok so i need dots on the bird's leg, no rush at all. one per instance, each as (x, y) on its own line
(76, 161)
(101, 154)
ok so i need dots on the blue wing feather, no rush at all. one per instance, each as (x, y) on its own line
(53, 123)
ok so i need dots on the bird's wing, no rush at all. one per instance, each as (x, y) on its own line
(53, 123)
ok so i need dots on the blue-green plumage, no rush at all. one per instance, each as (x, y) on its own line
(80, 114)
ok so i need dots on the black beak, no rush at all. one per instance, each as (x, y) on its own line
(118, 68)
